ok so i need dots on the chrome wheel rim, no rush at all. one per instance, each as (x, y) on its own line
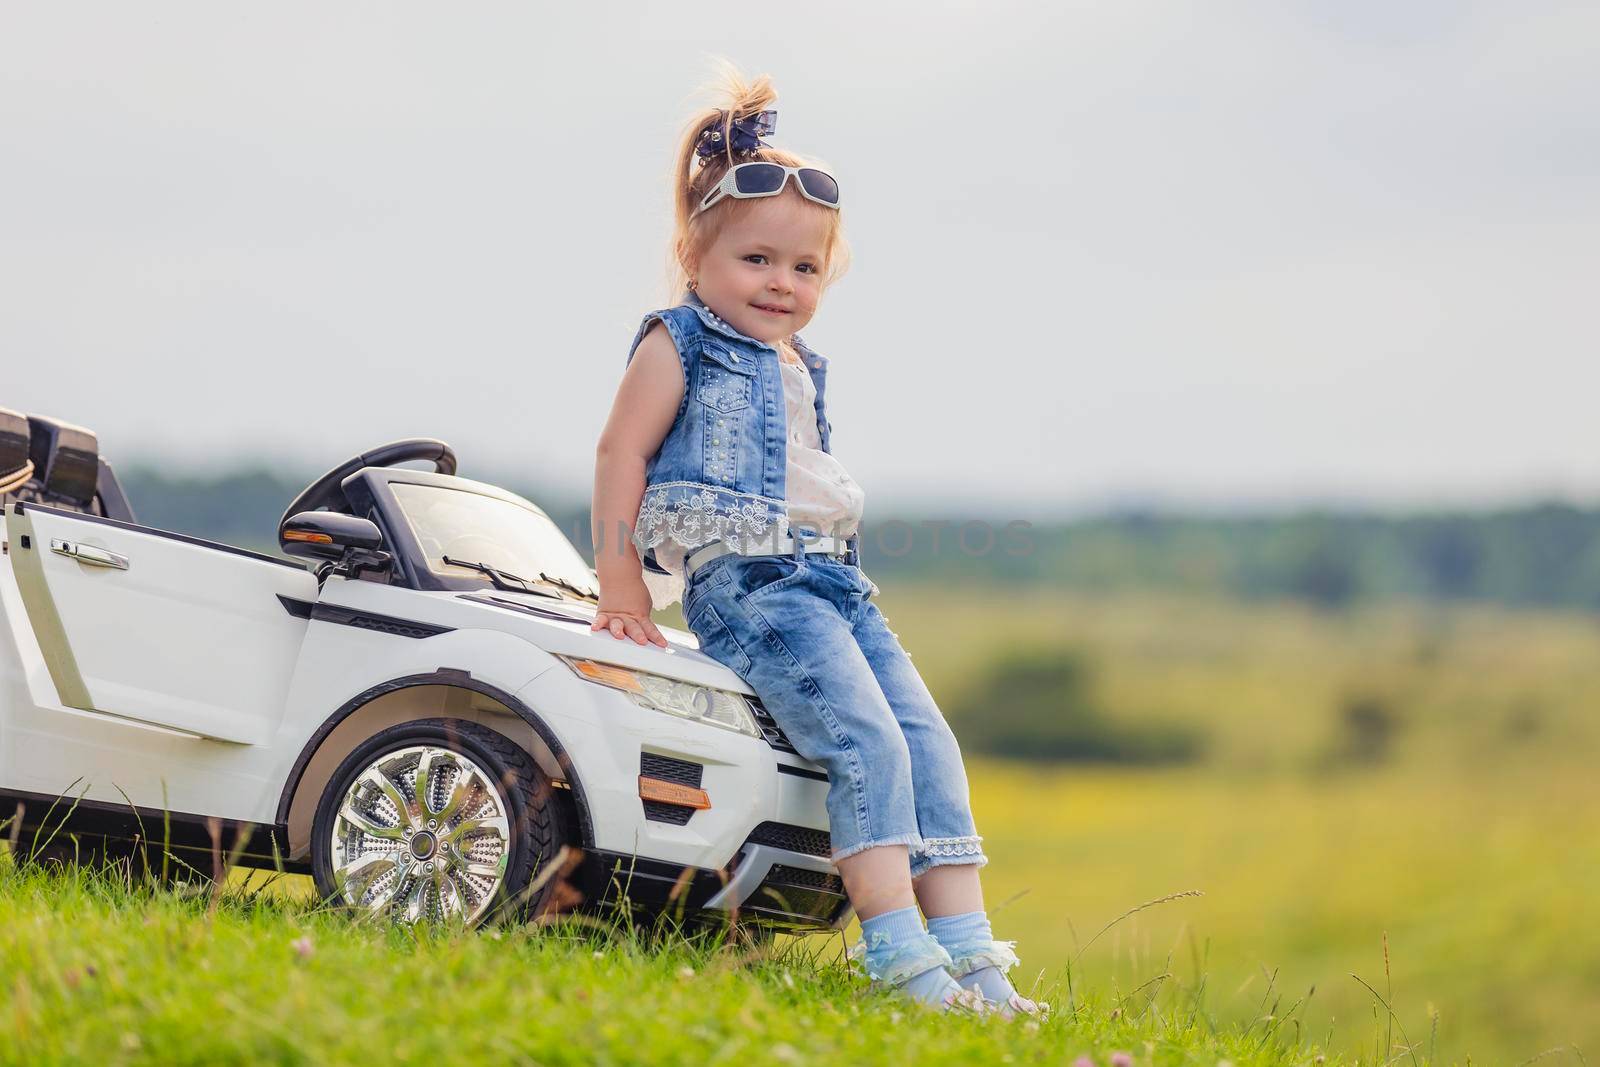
(423, 834)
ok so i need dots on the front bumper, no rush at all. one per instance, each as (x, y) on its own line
(768, 881)
(784, 888)
(761, 849)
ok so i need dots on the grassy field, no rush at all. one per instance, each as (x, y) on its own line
(1482, 888)
(1470, 837)
(1451, 870)
(1481, 905)
(95, 972)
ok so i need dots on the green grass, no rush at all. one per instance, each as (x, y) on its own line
(1474, 845)
(1481, 888)
(1455, 878)
(103, 972)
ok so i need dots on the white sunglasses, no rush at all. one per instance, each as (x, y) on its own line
(760, 178)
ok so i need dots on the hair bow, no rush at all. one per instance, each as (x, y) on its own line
(745, 134)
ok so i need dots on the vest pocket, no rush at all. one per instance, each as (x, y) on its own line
(726, 378)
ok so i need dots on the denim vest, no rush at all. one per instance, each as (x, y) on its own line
(719, 473)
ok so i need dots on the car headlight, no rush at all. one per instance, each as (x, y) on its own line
(716, 707)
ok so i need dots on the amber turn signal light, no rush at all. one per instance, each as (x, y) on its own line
(673, 793)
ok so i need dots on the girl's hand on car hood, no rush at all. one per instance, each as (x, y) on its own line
(626, 613)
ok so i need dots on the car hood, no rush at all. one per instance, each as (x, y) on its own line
(564, 626)
(557, 626)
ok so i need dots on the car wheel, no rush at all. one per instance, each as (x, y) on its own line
(436, 820)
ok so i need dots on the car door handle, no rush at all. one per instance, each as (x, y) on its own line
(95, 557)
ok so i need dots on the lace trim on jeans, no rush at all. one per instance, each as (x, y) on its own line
(953, 846)
(895, 966)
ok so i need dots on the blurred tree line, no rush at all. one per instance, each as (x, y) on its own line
(1037, 701)
(1544, 555)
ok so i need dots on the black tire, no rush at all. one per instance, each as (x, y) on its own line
(536, 823)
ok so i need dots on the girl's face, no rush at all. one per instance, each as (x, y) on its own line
(763, 273)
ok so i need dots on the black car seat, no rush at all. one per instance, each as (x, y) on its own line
(15, 467)
(47, 461)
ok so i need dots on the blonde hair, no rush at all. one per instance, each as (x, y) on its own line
(734, 98)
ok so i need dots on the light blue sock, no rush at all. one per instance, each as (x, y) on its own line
(892, 935)
(964, 934)
(961, 931)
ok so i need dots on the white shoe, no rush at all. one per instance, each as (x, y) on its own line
(1017, 1004)
(968, 1002)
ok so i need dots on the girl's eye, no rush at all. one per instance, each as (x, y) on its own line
(808, 268)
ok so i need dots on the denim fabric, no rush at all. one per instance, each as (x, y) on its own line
(719, 472)
(804, 633)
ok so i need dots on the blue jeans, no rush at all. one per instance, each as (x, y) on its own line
(802, 631)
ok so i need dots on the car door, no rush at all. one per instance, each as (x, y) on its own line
(155, 626)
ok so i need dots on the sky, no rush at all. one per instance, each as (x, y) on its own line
(1206, 255)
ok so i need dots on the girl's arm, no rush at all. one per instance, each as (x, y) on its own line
(644, 410)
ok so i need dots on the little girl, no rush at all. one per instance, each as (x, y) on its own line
(716, 453)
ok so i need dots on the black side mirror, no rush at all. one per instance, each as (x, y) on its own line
(328, 535)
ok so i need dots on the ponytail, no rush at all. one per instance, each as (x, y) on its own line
(733, 99)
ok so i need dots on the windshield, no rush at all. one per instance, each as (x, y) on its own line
(474, 528)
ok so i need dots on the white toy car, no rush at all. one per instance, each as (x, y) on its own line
(420, 719)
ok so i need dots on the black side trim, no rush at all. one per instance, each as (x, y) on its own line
(98, 818)
(526, 609)
(801, 772)
(461, 679)
(300, 609)
(383, 624)
(19, 507)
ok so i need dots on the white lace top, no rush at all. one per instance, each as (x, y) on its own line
(818, 492)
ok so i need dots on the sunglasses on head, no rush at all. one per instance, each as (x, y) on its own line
(759, 178)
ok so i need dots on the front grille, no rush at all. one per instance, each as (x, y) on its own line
(793, 838)
(828, 883)
(661, 811)
(682, 771)
(792, 893)
(668, 769)
(770, 728)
